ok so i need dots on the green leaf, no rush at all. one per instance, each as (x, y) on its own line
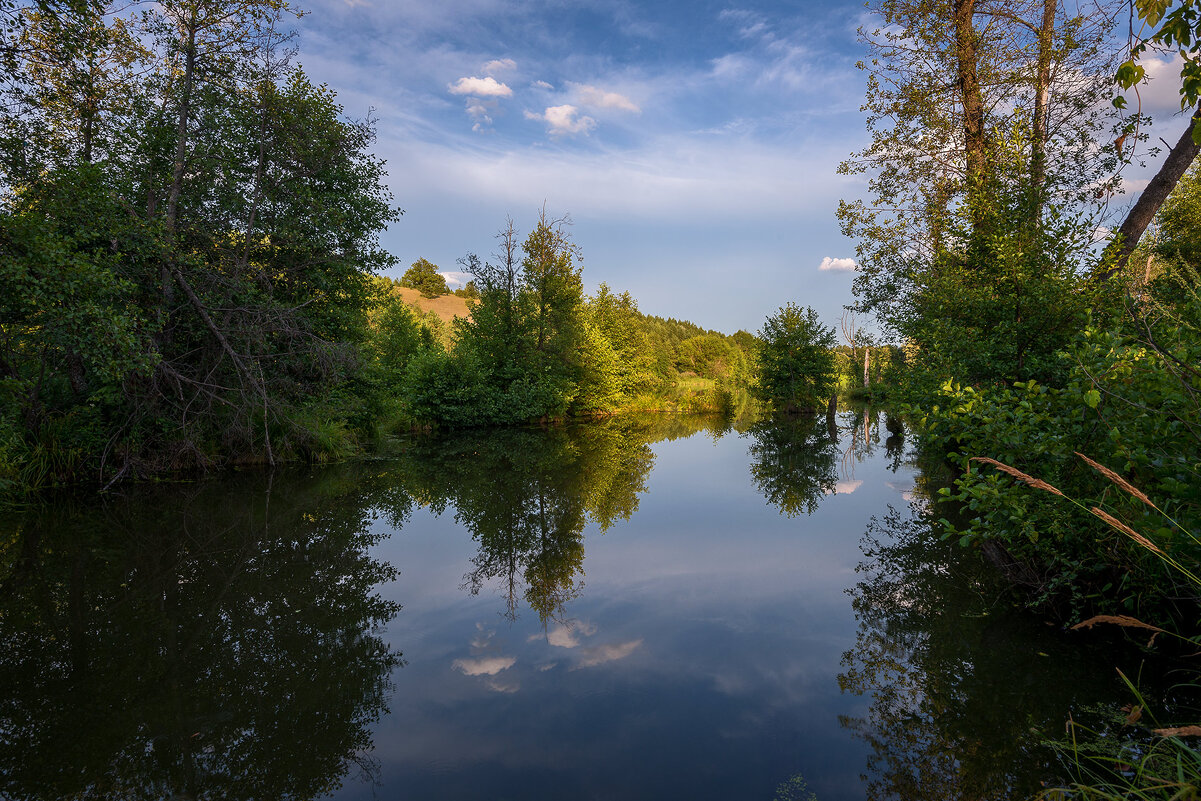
(1092, 398)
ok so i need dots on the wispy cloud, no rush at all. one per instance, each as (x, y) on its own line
(499, 65)
(599, 655)
(542, 85)
(837, 265)
(564, 120)
(592, 96)
(484, 666)
(678, 178)
(480, 87)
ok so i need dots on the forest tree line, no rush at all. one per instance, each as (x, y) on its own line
(192, 272)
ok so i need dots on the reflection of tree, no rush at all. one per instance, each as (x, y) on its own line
(214, 642)
(962, 697)
(894, 445)
(793, 462)
(526, 495)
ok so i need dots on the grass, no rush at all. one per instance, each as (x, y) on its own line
(447, 307)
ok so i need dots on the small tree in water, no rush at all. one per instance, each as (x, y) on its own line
(796, 360)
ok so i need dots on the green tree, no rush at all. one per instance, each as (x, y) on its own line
(1179, 221)
(987, 127)
(216, 210)
(796, 368)
(423, 275)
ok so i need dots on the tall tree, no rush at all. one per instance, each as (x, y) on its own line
(986, 141)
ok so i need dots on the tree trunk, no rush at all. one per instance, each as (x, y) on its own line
(181, 125)
(867, 361)
(975, 136)
(1180, 157)
(1042, 103)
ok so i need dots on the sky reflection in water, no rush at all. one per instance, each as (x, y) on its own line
(659, 608)
(698, 660)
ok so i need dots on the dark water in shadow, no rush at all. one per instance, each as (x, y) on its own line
(659, 608)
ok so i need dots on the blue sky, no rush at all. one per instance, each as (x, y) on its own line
(694, 144)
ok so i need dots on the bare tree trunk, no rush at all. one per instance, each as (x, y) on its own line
(867, 360)
(1179, 159)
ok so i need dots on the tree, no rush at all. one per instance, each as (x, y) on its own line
(999, 103)
(423, 275)
(1179, 221)
(796, 360)
(207, 218)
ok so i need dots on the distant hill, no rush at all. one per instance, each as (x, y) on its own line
(447, 307)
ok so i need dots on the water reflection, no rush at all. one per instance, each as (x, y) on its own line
(224, 640)
(218, 641)
(793, 461)
(965, 692)
(525, 497)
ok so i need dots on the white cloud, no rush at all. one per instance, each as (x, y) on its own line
(676, 178)
(591, 657)
(837, 265)
(357, 3)
(846, 487)
(484, 666)
(499, 65)
(542, 85)
(458, 277)
(564, 120)
(566, 636)
(1161, 92)
(592, 96)
(480, 87)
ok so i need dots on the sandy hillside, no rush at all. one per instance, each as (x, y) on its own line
(446, 307)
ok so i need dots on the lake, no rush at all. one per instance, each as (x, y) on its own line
(643, 608)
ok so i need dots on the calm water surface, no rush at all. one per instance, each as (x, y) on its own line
(661, 608)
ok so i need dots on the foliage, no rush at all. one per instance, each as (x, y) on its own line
(1179, 220)
(1130, 403)
(535, 347)
(189, 227)
(795, 361)
(1177, 27)
(424, 276)
(1036, 132)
